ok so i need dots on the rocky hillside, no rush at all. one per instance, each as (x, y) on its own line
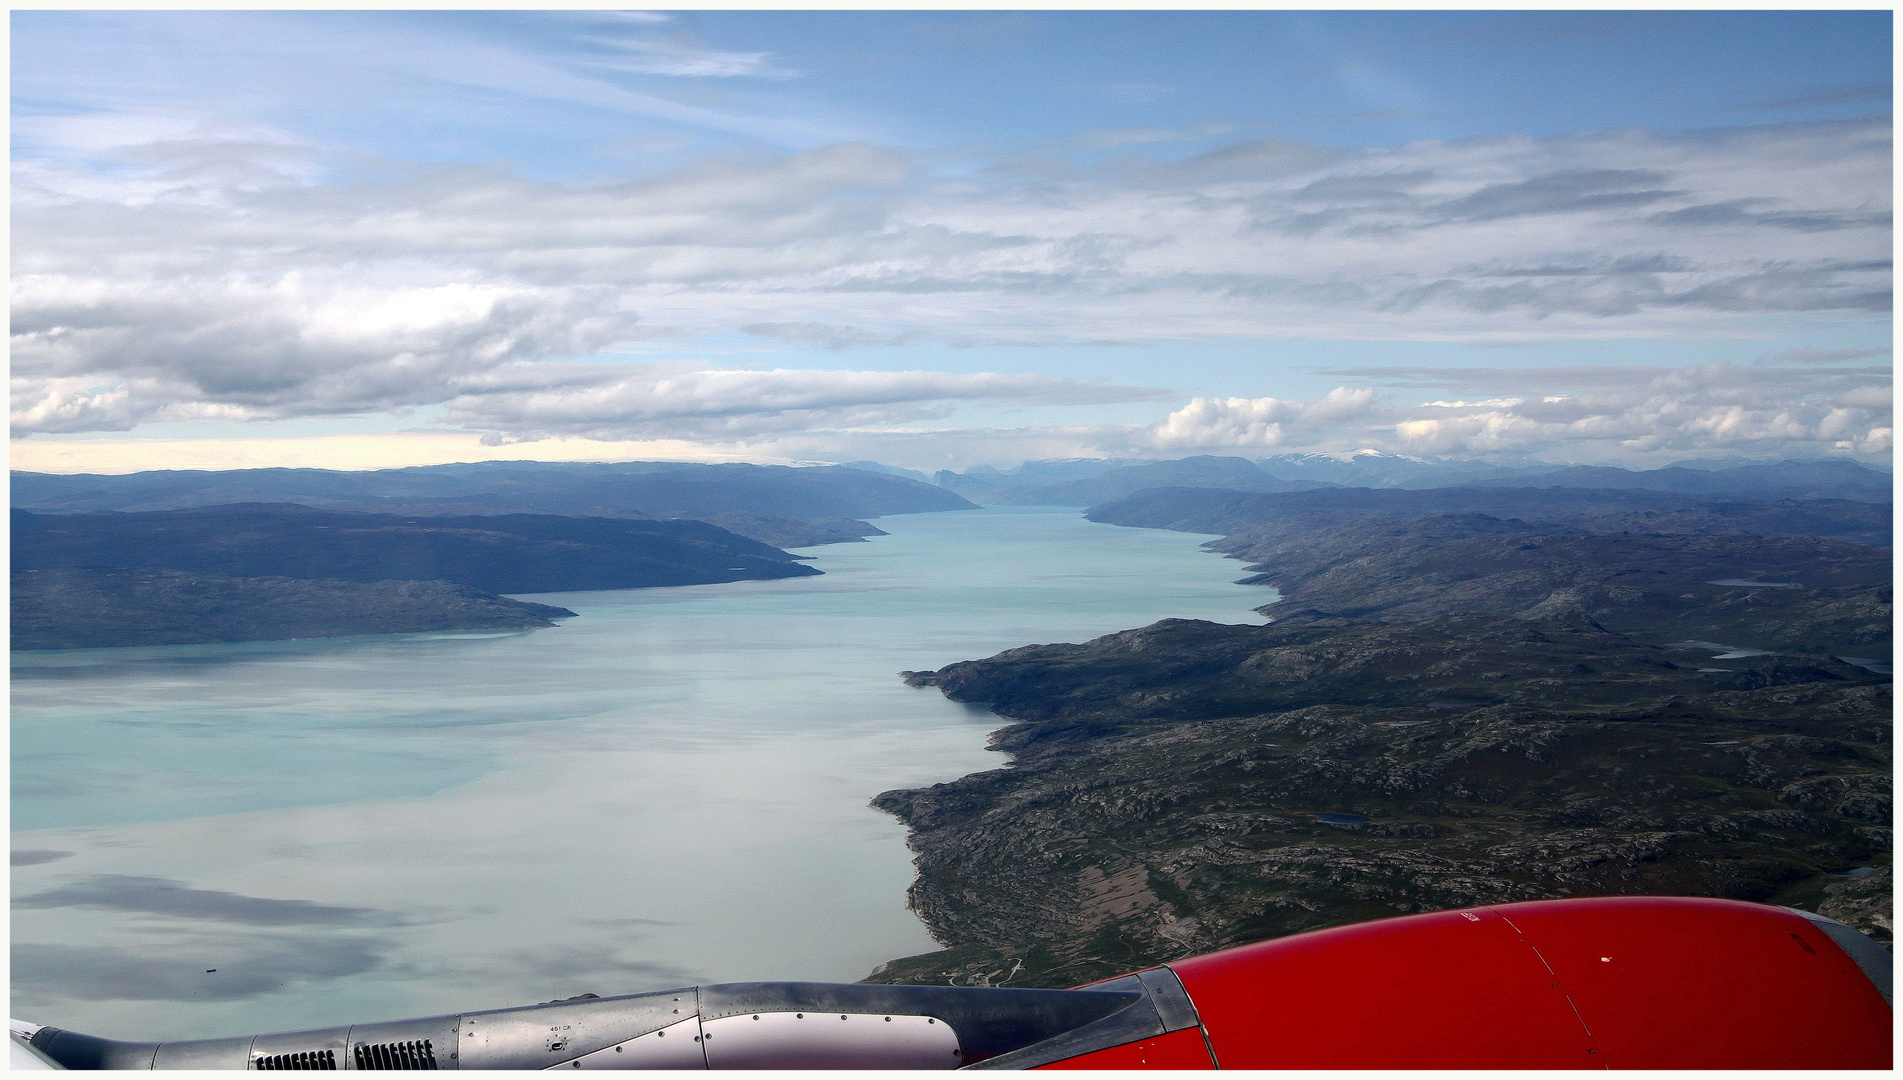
(1190, 786)
(1447, 709)
(93, 609)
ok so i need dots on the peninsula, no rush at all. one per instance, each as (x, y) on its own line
(95, 609)
(248, 572)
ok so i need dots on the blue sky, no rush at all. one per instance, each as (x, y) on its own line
(944, 238)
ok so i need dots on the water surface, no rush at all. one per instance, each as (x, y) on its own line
(670, 789)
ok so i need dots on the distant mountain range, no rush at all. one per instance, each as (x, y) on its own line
(1557, 510)
(770, 498)
(1090, 482)
(1774, 479)
(253, 535)
(632, 489)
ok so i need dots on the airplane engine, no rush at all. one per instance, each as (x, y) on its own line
(1605, 983)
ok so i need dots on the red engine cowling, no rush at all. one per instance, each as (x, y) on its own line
(1617, 983)
(1624, 982)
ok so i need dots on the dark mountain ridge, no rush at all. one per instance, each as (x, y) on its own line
(252, 572)
(650, 489)
(98, 609)
(510, 553)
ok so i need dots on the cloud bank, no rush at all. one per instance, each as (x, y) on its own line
(1636, 414)
(715, 404)
(212, 274)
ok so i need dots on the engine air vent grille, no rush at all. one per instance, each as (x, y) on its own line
(397, 1055)
(303, 1059)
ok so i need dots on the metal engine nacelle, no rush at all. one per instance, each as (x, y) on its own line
(1615, 982)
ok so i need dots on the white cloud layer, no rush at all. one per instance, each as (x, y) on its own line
(1259, 422)
(168, 270)
(1641, 414)
(1627, 416)
(659, 400)
(1645, 417)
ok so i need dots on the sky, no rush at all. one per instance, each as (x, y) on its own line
(367, 239)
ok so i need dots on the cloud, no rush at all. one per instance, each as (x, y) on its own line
(1764, 375)
(248, 969)
(650, 56)
(1821, 356)
(1626, 414)
(1641, 416)
(652, 400)
(161, 896)
(389, 450)
(1568, 192)
(1349, 190)
(1259, 422)
(1741, 212)
(821, 334)
(434, 53)
(211, 274)
(295, 346)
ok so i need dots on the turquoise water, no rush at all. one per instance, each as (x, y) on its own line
(671, 788)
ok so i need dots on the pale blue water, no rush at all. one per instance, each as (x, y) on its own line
(669, 789)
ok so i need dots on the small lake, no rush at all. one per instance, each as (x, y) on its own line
(670, 789)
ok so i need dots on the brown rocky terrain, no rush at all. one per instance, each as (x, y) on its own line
(1447, 710)
(1816, 594)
